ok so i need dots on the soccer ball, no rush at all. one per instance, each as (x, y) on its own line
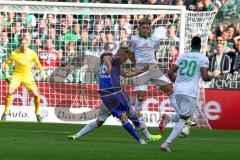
(185, 131)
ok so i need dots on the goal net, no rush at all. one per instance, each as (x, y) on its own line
(69, 39)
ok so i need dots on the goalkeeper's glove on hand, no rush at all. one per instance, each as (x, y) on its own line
(8, 78)
(44, 75)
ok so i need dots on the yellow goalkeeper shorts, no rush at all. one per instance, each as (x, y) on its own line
(27, 81)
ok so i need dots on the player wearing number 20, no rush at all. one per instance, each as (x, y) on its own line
(191, 66)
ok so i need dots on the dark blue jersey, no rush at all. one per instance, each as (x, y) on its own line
(110, 82)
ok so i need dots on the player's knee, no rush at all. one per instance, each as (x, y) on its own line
(140, 96)
(139, 114)
(135, 112)
(35, 94)
(8, 97)
(170, 92)
(123, 117)
(37, 100)
(11, 91)
(132, 114)
(99, 123)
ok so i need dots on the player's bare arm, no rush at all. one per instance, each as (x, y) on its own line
(172, 73)
(107, 60)
(207, 75)
(132, 59)
(6, 67)
(133, 73)
(40, 68)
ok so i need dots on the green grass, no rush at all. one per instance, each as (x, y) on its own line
(33, 141)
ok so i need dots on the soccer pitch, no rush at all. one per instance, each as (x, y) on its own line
(45, 141)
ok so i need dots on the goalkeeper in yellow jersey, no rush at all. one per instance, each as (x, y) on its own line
(23, 59)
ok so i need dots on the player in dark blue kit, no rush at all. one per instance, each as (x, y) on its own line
(113, 97)
(104, 112)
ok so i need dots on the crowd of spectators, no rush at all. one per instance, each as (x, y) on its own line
(77, 41)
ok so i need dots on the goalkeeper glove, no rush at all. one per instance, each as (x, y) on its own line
(8, 78)
(44, 75)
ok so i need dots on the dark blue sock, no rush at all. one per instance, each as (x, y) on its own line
(134, 119)
(130, 130)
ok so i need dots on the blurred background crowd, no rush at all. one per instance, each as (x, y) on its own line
(77, 41)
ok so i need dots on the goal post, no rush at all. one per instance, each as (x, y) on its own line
(78, 32)
(199, 23)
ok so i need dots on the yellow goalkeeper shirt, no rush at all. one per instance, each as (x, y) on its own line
(23, 62)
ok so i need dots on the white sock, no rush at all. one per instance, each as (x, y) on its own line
(146, 133)
(144, 129)
(88, 128)
(173, 102)
(176, 131)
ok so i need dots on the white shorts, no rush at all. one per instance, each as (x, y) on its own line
(153, 76)
(186, 104)
(103, 113)
(161, 81)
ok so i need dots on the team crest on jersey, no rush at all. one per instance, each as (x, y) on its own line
(145, 45)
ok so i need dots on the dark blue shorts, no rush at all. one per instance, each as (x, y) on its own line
(117, 103)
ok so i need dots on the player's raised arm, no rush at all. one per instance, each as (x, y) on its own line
(128, 46)
(107, 60)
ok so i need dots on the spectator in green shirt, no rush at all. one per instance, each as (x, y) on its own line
(5, 46)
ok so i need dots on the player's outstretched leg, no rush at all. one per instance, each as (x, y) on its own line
(149, 137)
(140, 125)
(73, 137)
(129, 128)
(165, 147)
(173, 102)
(166, 119)
(173, 135)
(87, 129)
(163, 123)
(191, 123)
